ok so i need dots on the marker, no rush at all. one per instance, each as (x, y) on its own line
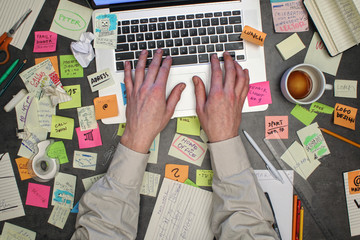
(275, 225)
(269, 165)
(8, 71)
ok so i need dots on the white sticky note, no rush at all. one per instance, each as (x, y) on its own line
(26, 112)
(296, 157)
(318, 55)
(154, 150)
(85, 160)
(203, 136)
(11, 231)
(345, 88)
(88, 182)
(87, 119)
(100, 80)
(59, 216)
(64, 190)
(290, 46)
(45, 112)
(150, 184)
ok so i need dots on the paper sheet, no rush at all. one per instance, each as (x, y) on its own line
(45, 41)
(177, 172)
(85, 160)
(12, 232)
(74, 92)
(45, 112)
(352, 193)
(204, 177)
(26, 112)
(38, 195)
(28, 146)
(154, 150)
(54, 61)
(100, 80)
(188, 126)
(11, 11)
(303, 115)
(70, 68)
(321, 108)
(182, 211)
(62, 127)
(345, 88)
(276, 127)
(259, 94)
(10, 201)
(22, 167)
(106, 107)
(345, 116)
(150, 184)
(59, 216)
(191, 183)
(89, 138)
(88, 182)
(105, 31)
(64, 190)
(253, 35)
(290, 46)
(86, 117)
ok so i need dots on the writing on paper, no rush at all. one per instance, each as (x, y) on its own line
(100, 80)
(45, 41)
(345, 116)
(303, 115)
(59, 216)
(150, 184)
(64, 190)
(177, 172)
(62, 127)
(188, 125)
(70, 67)
(105, 31)
(74, 91)
(259, 94)
(87, 119)
(85, 160)
(321, 108)
(38, 195)
(22, 167)
(345, 88)
(254, 36)
(88, 182)
(89, 138)
(204, 177)
(11, 231)
(276, 127)
(106, 107)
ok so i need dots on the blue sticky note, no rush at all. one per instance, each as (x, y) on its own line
(123, 91)
(279, 1)
(75, 208)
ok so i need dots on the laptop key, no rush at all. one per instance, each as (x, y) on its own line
(197, 23)
(199, 15)
(124, 56)
(122, 47)
(157, 35)
(133, 46)
(208, 15)
(125, 22)
(135, 21)
(236, 12)
(237, 28)
(162, 19)
(206, 22)
(131, 38)
(214, 39)
(234, 46)
(223, 38)
(190, 16)
(205, 40)
(229, 29)
(151, 44)
(166, 34)
(148, 36)
(219, 47)
(181, 60)
(152, 20)
(134, 29)
(218, 14)
(120, 66)
(196, 40)
(227, 13)
(171, 18)
(214, 21)
(203, 58)
(161, 26)
(178, 42)
(202, 31)
(166, 52)
(184, 33)
(144, 20)
(152, 27)
(210, 48)
(125, 29)
(170, 25)
(211, 30)
(234, 37)
(187, 41)
(140, 37)
(160, 43)
(235, 20)
(220, 30)
(223, 21)
(240, 57)
(201, 49)
(192, 49)
(188, 24)
(175, 33)
(169, 43)
(142, 45)
(179, 24)
(175, 51)
(193, 32)
(121, 38)
(183, 50)
(181, 17)
(143, 28)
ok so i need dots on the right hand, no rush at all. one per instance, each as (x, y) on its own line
(220, 112)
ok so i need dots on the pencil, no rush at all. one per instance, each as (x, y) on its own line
(12, 77)
(298, 210)
(294, 217)
(340, 137)
(301, 223)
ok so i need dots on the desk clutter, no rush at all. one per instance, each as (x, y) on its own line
(43, 129)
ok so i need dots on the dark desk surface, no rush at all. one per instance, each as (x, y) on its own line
(326, 180)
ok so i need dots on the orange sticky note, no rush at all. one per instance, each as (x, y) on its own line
(353, 179)
(53, 60)
(23, 169)
(252, 35)
(345, 116)
(177, 172)
(105, 107)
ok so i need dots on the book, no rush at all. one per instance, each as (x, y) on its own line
(337, 21)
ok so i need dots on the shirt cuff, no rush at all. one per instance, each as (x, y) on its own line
(228, 157)
(127, 166)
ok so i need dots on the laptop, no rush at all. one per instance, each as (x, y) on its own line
(188, 30)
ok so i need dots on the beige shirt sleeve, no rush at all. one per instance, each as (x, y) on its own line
(240, 208)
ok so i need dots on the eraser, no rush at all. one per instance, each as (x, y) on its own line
(16, 99)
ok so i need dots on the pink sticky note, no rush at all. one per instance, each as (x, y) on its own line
(89, 138)
(259, 94)
(45, 41)
(38, 195)
(276, 126)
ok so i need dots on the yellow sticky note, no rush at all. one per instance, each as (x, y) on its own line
(204, 177)
(290, 46)
(345, 116)
(74, 92)
(121, 129)
(62, 127)
(105, 107)
(177, 172)
(188, 125)
(252, 35)
(23, 169)
(53, 60)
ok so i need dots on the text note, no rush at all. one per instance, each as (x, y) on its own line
(59, 216)
(276, 127)
(150, 184)
(352, 193)
(45, 41)
(85, 160)
(70, 67)
(106, 107)
(62, 127)
(345, 116)
(259, 94)
(22, 167)
(38, 195)
(204, 177)
(177, 172)
(100, 80)
(86, 117)
(345, 88)
(321, 108)
(74, 91)
(89, 138)
(64, 190)
(253, 35)
(58, 150)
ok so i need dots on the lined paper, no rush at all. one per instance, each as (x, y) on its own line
(10, 201)
(352, 201)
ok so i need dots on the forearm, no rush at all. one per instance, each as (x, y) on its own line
(240, 207)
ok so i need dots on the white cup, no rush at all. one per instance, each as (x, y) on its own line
(318, 83)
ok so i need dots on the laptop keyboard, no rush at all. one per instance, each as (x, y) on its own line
(188, 39)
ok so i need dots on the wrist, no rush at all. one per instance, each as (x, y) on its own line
(137, 144)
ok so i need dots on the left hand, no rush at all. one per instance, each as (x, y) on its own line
(148, 112)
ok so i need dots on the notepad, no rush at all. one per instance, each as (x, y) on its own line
(352, 193)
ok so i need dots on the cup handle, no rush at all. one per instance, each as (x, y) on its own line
(328, 87)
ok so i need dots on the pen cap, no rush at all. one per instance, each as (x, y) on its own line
(16, 99)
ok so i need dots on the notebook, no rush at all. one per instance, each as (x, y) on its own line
(190, 33)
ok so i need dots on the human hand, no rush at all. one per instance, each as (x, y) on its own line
(148, 111)
(220, 112)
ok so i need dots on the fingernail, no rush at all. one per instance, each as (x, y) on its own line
(168, 57)
(159, 50)
(195, 80)
(143, 52)
(182, 87)
(215, 56)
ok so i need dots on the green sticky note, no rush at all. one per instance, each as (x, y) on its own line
(303, 115)
(57, 150)
(321, 108)
(70, 68)
(188, 126)
(191, 183)
(204, 177)
(121, 129)
(75, 92)
(62, 127)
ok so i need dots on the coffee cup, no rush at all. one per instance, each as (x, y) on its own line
(303, 84)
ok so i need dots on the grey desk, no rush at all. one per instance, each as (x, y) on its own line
(326, 180)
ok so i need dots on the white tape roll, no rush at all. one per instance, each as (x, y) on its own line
(16, 99)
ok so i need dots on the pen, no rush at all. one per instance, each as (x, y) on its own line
(340, 137)
(12, 77)
(269, 165)
(8, 71)
(275, 225)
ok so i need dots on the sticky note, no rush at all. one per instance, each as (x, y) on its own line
(45, 41)
(100, 80)
(59, 216)
(28, 146)
(64, 190)
(203, 136)
(105, 107)
(345, 116)
(191, 183)
(321, 108)
(70, 68)
(74, 92)
(88, 182)
(318, 55)
(154, 150)
(150, 184)
(62, 127)
(276, 127)
(254, 36)
(85, 160)
(89, 138)
(123, 91)
(12, 232)
(259, 94)
(177, 172)
(53, 60)
(204, 177)
(58, 150)
(38, 195)
(188, 149)
(75, 208)
(70, 20)
(188, 126)
(23, 168)
(121, 129)
(290, 46)
(105, 31)
(86, 117)
(313, 141)
(345, 88)
(303, 115)
(45, 111)
(296, 157)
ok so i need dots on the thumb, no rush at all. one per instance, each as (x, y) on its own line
(173, 99)
(200, 93)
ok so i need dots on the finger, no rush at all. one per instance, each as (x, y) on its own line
(242, 81)
(164, 71)
(140, 70)
(128, 79)
(173, 99)
(200, 94)
(230, 72)
(154, 67)
(216, 73)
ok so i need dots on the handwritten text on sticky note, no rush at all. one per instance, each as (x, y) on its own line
(59, 216)
(45, 41)
(23, 169)
(85, 160)
(259, 94)
(345, 88)
(74, 91)
(38, 195)
(177, 172)
(252, 35)
(70, 68)
(100, 80)
(64, 190)
(106, 107)
(188, 125)
(89, 138)
(321, 108)
(150, 184)
(345, 116)
(87, 119)
(62, 127)
(303, 115)
(276, 127)
(204, 177)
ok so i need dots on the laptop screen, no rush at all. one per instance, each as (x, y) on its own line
(111, 2)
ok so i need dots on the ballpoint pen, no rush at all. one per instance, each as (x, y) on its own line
(275, 225)
(269, 165)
